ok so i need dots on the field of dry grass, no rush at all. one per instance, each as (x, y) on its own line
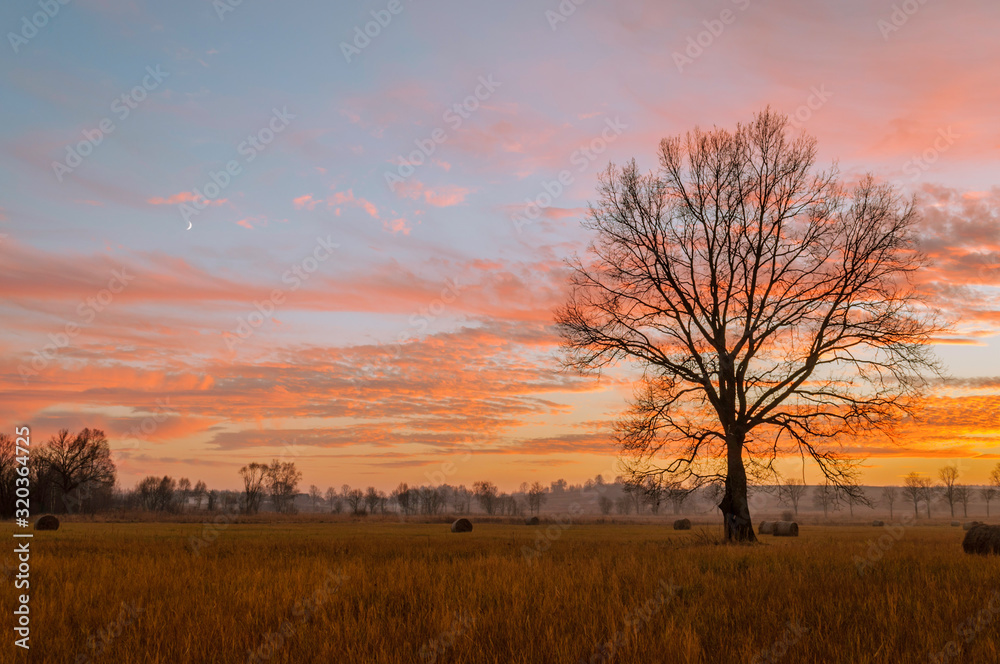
(393, 592)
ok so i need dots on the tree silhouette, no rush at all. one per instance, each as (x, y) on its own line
(767, 305)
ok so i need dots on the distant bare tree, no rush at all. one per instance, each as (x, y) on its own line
(633, 493)
(315, 495)
(282, 482)
(889, 495)
(76, 463)
(461, 500)
(825, 497)
(769, 307)
(536, 497)
(487, 494)
(856, 496)
(156, 494)
(199, 491)
(253, 475)
(790, 492)
(353, 498)
(988, 493)
(678, 493)
(402, 496)
(183, 492)
(333, 500)
(915, 489)
(949, 478)
(605, 504)
(962, 495)
(8, 475)
(431, 500)
(371, 499)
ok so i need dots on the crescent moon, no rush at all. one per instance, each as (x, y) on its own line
(189, 225)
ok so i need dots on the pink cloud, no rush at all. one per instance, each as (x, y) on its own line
(184, 197)
(343, 198)
(306, 202)
(398, 226)
(443, 196)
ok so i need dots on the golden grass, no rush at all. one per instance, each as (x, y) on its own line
(418, 593)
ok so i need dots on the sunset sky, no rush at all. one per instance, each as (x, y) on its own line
(375, 319)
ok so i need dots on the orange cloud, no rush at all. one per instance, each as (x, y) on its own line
(184, 197)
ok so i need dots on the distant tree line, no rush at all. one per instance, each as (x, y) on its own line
(74, 473)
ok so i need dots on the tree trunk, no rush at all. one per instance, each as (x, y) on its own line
(735, 507)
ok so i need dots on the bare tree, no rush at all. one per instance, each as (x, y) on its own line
(157, 494)
(949, 478)
(8, 475)
(282, 483)
(431, 499)
(963, 494)
(371, 499)
(790, 492)
(199, 491)
(769, 307)
(253, 475)
(889, 495)
(315, 495)
(333, 500)
(988, 493)
(461, 500)
(402, 496)
(826, 497)
(917, 488)
(605, 504)
(678, 493)
(854, 497)
(991, 491)
(76, 464)
(488, 496)
(183, 492)
(536, 497)
(354, 499)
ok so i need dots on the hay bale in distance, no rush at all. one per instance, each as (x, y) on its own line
(533, 521)
(786, 529)
(682, 524)
(765, 528)
(461, 526)
(982, 539)
(877, 523)
(970, 524)
(955, 524)
(47, 522)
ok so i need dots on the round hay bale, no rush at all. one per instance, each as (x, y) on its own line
(533, 521)
(47, 522)
(877, 523)
(786, 529)
(970, 524)
(956, 524)
(982, 539)
(765, 528)
(682, 524)
(461, 526)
